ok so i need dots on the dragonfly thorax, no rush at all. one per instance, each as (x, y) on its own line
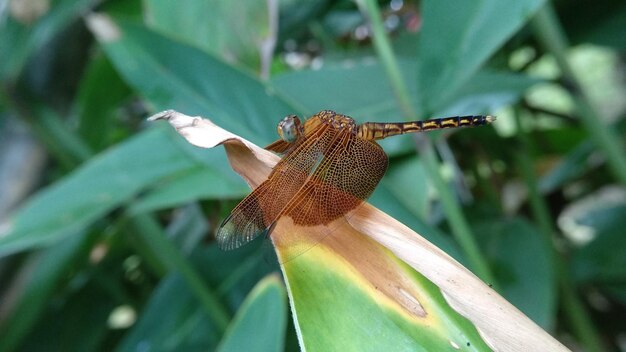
(338, 121)
(290, 128)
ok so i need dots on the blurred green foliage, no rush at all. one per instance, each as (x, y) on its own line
(107, 245)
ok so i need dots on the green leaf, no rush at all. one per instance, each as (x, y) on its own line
(236, 31)
(361, 90)
(188, 228)
(100, 94)
(576, 156)
(458, 37)
(616, 290)
(598, 22)
(195, 184)
(296, 15)
(487, 91)
(73, 322)
(266, 303)
(572, 165)
(603, 260)
(172, 75)
(171, 321)
(235, 273)
(407, 181)
(104, 183)
(353, 314)
(19, 39)
(171, 318)
(358, 89)
(49, 269)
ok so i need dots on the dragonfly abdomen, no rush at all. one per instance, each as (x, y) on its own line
(380, 130)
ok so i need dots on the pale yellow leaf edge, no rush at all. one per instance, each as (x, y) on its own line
(501, 325)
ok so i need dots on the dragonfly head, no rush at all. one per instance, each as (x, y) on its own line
(290, 128)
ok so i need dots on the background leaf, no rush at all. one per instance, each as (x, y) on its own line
(266, 302)
(452, 47)
(65, 209)
(120, 215)
(172, 75)
(234, 31)
(22, 35)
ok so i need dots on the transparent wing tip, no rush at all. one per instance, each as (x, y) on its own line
(231, 235)
(226, 236)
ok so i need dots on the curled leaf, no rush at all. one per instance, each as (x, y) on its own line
(347, 280)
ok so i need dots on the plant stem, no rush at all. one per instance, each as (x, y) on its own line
(577, 315)
(387, 56)
(573, 308)
(538, 205)
(458, 223)
(549, 32)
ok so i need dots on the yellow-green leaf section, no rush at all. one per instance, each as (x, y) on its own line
(348, 293)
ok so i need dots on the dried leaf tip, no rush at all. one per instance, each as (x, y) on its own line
(163, 115)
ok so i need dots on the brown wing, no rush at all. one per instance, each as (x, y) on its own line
(348, 174)
(246, 221)
(280, 146)
(255, 214)
(325, 174)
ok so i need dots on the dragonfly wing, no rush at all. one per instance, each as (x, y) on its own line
(280, 146)
(245, 222)
(256, 213)
(347, 174)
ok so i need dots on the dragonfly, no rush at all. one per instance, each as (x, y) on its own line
(330, 166)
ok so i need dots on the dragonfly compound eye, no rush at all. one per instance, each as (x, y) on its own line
(289, 128)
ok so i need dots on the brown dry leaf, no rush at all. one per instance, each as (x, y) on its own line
(502, 326)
